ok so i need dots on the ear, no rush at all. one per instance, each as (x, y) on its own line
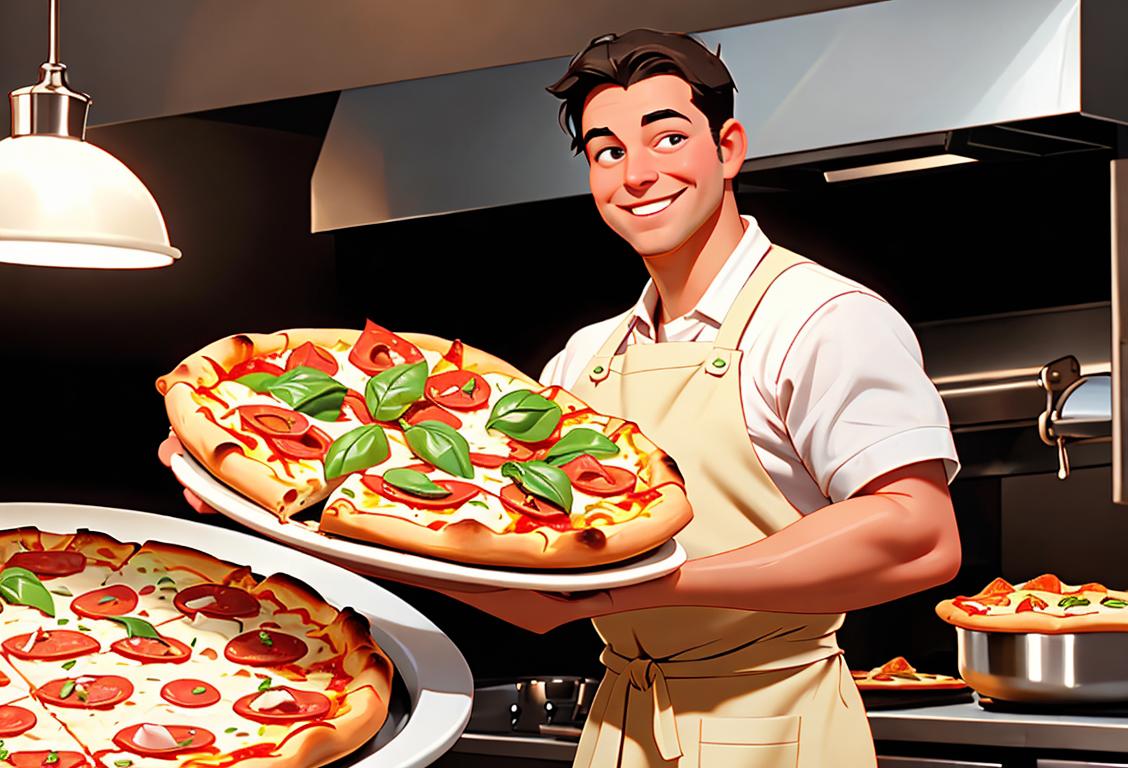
(733, 145)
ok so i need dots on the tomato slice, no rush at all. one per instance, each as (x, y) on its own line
(38, 759)
(378, 349)
(424, 412)
(590, 476)
(312, 356)
(48, 564)
(540, 510)
(446, 389)
(189, 738)
(254, 366)
(307, 705)
(265, 648)
(15, 720)
(454, 354)
(229, 602)
(101, 692)
(273, 421)
(354, 401)
(189, 692)
(52, 645)
(314, 444)
(460, 493)
(117, 600)
(487, 460)
(147, 650)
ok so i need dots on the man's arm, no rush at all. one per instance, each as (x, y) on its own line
(896, 536)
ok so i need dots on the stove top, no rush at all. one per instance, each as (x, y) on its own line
(1098, 709)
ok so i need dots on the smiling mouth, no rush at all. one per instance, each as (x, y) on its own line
(652, 207)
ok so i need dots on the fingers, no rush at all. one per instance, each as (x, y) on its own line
(170, 446)
(198, 504)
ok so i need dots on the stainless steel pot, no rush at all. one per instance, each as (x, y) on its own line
(1084, 667)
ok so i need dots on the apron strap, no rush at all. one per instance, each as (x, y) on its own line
(600, 365)
(775, 262)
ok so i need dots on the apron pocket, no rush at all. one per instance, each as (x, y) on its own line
(749, 742)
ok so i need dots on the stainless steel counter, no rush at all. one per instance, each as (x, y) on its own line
(952, 724)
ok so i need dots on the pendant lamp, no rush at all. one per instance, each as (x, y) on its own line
(63, 201)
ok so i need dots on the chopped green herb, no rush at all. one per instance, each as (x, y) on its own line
(1071, 601)
(1113, 602)
(123, 763)
(347, 492)
(67, 689)
(265, 684)
(232, 729)
(186, 742)
(262, 730)
(83, 695)
(52, 757)
(193, 643)
(82, 628)
(64, 622)
(478, 503)
(107, 599)
(153, 679)
(70, 664)
(470, 385)
(199, 689)
(166, 580)
(265, 639)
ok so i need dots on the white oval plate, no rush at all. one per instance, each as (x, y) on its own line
(376, 560)
(436, 675)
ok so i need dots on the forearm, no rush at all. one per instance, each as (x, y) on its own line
(858, 552)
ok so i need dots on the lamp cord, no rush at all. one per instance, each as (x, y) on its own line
(54, 53)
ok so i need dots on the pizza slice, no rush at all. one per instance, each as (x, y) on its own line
(1042, 605)
(898, 675)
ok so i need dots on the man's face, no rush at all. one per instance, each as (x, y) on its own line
(654, 174)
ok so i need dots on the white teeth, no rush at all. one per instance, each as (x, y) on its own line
(649, 208)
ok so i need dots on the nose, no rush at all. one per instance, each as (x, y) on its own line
(640, 172)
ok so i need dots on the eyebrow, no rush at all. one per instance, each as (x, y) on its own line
(662, 114)
(595, 133)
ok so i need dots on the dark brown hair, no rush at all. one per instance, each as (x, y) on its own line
(636, 55)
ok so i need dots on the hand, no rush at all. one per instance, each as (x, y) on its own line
(535, 611)
(170, 446)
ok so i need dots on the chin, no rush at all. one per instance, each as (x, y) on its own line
(657, 242)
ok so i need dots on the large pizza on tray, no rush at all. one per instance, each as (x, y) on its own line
(423, 444)
(115, 654)
(1042, 605)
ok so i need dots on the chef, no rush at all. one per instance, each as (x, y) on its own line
(816, 451)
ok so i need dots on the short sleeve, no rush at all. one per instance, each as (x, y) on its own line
(855, 398)
(553, 373)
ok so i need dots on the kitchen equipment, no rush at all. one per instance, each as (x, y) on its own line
(434, 699)
(1084, 667)
(376, 560)
(546, 705)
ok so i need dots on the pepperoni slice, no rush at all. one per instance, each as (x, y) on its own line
(48, 564)
(189, 738)
(149, 651)
(450, 390)
(460, 493)
(15, 720)
(38, 759)
(590, 476)
(543, 512)
(273, 421)
(378, 349)
(312, 356)
(312, 445)
(227, 602)
(424, 412)
(117, 600)
(307, 705)
(51, 645)
(189, 692)
(100, 692)
(264, 648)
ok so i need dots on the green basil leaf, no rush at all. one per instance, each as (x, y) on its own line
(265, 684)
(265, 638)
(259, 382)
(1113, 602)
(470, 385)
(136, 627)
(1072, 601)
(524, 416)
(415, 483)
(390, 393)
(52, 757)
(540, 478)
(22, 587)
(439, 444)
(70, 664)
(356, 450)
(67, 689)
(310, 391)
(578, 442)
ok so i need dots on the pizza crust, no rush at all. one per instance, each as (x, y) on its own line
(99, 548)
(1035, 621)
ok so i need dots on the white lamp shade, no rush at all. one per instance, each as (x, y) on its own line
(67, 203)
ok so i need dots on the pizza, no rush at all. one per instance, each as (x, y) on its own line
(423, 444)
(122, 655)
(1042, 605)
(899, 675)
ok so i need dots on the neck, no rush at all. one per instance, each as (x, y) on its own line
(682, 275)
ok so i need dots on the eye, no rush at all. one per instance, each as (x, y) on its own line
(609, 155)
(670, 141)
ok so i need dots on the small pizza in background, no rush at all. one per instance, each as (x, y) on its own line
(423, 444)
(126, 655)
(898, 675)
(1041, 605)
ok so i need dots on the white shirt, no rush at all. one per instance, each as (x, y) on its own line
(832, 379)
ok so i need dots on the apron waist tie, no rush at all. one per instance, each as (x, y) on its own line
(641, 675)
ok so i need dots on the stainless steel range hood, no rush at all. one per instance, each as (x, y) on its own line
(881, 82)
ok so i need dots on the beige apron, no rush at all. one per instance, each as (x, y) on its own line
(713, 687)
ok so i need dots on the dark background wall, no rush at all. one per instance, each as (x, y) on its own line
(81, 349)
